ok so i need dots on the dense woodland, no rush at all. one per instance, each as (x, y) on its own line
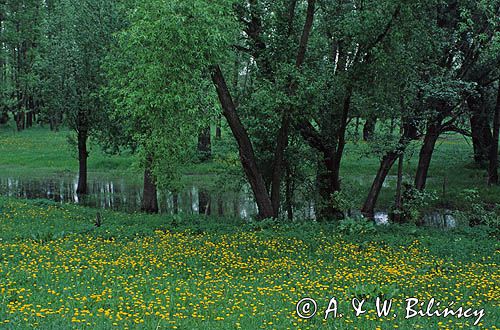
(287, 80)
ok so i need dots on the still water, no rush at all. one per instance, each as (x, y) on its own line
(121, 195)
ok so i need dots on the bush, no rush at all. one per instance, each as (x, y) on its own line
(356, 226)
(414, 201)
(477, 212)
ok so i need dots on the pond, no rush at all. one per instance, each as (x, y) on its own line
(120, 194)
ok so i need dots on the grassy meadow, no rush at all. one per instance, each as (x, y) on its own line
(41, 152)
(59, 271)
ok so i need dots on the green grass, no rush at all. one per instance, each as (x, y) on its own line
(39, 152)
(58, 271)
(452, 171)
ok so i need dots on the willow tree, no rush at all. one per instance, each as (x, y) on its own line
(276, 39)
(77, 39)
(160, 82)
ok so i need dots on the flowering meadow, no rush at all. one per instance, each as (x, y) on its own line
(59, 271)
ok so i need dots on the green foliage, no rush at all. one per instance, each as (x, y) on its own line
(76, 40)
(356, 226)
(415, 202)
(342, 201)
(172, 252)
(477, 212)
(266, 224)
(370, 292)
(159, 78)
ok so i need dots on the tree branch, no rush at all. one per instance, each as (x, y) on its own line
(383, 34)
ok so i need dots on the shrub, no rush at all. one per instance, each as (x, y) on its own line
(414, 201)
(352, 226)
(477, 212)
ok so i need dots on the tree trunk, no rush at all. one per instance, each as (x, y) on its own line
(30, 112)
(204, 202)
(220, 206)
(328, 169)
(205, 145)
(396, 215)
(281, 144)
(247, 155)
(493, 159)
(407, 134)
(4, 118)
(282, 139)
(82, 160)
(424, 161)
(218, 129)
(289, 193)
(328, 184)
(175, 200)
(332, 159)
(369, 128)
(356, 129)
(386, 164)
(29, 119)
(150, 195)
(236, 207)
(52, 123)
(480, 129)
(268, 205)
(20, 120)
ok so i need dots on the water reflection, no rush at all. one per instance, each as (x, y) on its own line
(120, 195)
(439, 218)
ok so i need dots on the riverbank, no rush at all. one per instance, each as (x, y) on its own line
(37, 154)
(58, 270)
